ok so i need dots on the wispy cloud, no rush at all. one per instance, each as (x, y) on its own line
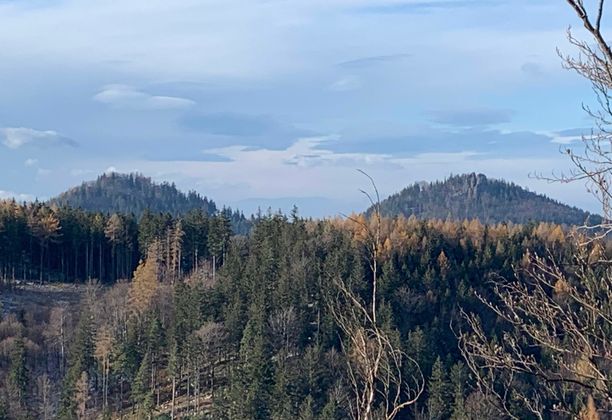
(230, 124)
(128, 97)
(452, 139)
(205, 74)
(309, 166)
(17, 137)
(570, 135)
(374, 60)
(346, 84)
(417, 6)
(252, 130)
(471, 117)
(313, 152)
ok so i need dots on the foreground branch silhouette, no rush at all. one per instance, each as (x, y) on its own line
(384, 379)
(555, 354)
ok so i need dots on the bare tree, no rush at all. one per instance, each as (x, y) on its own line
(384, 380)
(213, 337)
(103, 349)
(44, 394)
(593, 61)
(60, 322)
(555, 352)
(284, 329)
(559, 329)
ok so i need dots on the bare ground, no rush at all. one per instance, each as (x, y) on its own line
(23, 294)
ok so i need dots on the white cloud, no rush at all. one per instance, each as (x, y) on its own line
(257, 57)
(9, 195)
(31, 162)
(309, 169)
(566, 140)
(188, 39)
(16, 137)
(346, 84)
(127, 97)
(81, 172)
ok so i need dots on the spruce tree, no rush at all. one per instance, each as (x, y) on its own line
(306, 409)
(458, 380)
(437, 402)
(142, 394)
(81, 361)
(18, 378)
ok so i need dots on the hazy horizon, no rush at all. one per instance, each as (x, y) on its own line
(284, 100)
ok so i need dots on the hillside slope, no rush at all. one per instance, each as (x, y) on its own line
(133, 193)
(123, 193)
(474, 196)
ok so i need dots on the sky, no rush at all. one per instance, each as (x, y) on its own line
(258, 103)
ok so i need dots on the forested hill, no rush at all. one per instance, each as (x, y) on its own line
(134, 194)
(474, 196)
(123, 193)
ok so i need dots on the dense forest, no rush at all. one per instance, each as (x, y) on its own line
(47, 243)
(465, 299)
(243, 327)
(135, 194)
(474, 196)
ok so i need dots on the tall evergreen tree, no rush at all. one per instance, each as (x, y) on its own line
(438, 399)
(18, 378)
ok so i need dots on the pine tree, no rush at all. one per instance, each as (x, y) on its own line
(458, 379)
(255, 373)
(81, 362)
(196, 224)
(45, 227)
(142, 394)
(331, 410)
(437, 402)
(155, 343)
(149, 230)
(18, 378)
(306, 409)
(176, 249)
(115, 232)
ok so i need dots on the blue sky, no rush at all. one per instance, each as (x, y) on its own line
(276, 102)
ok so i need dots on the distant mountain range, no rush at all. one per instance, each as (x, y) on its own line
(474, 196)
(470, 196)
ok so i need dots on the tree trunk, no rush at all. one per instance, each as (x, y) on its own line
(41, 263)
(76, 264)
(100, 274)
(173, 396)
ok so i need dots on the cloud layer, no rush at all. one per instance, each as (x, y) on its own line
(127, 97)
(17, 137)
(282, 100)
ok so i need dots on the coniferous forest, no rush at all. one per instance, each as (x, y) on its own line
(176, 317)
(134, 194)
(463, 299)
(474, 196)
